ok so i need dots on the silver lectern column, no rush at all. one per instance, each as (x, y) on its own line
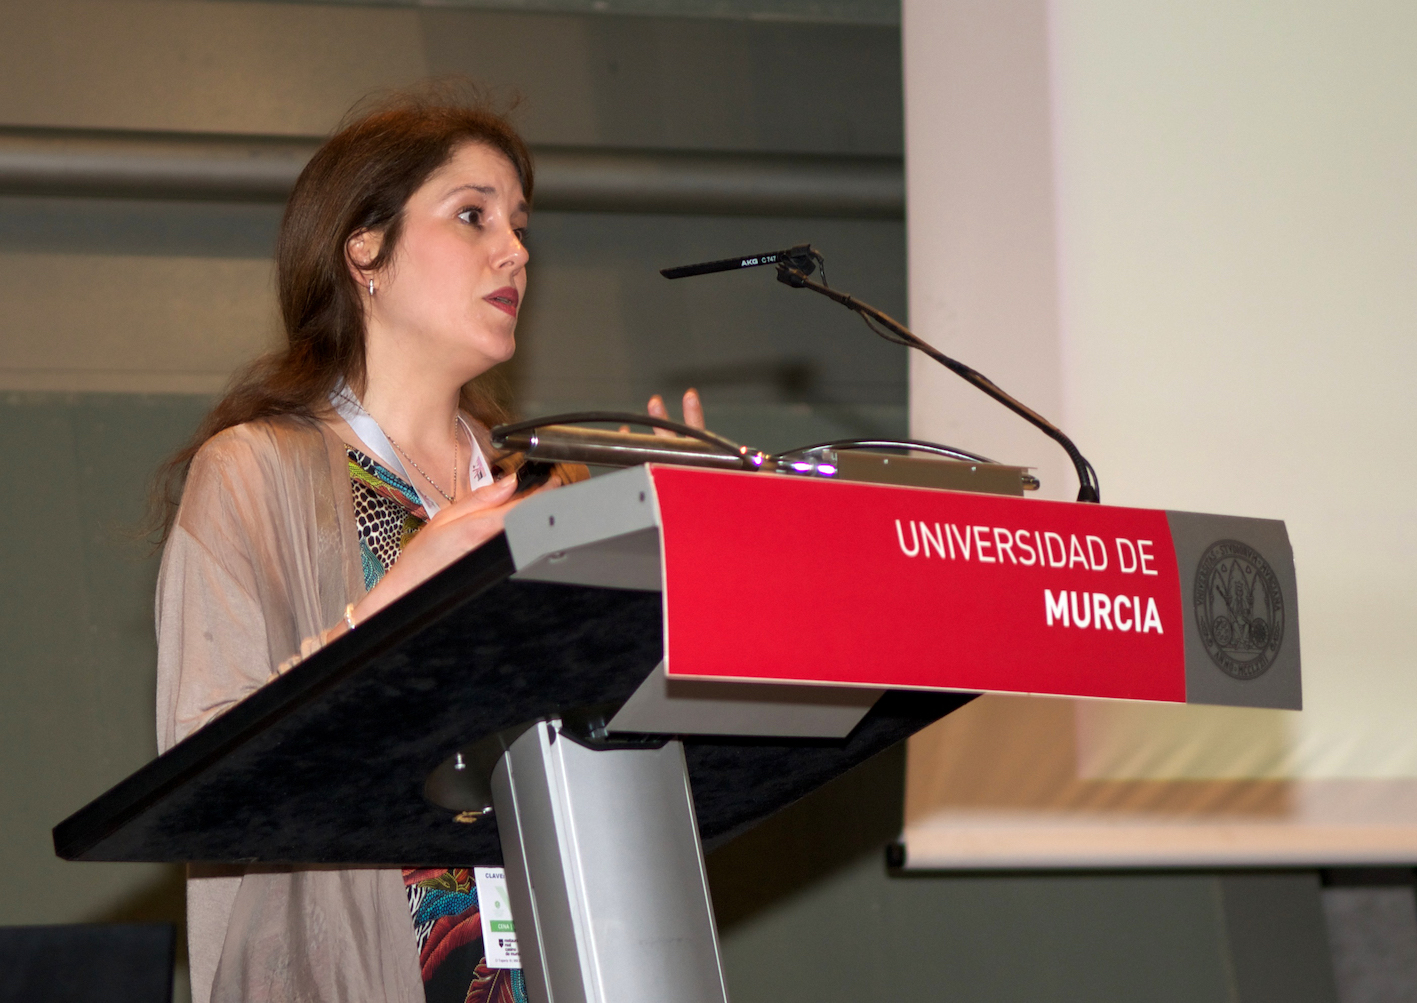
(605, 872)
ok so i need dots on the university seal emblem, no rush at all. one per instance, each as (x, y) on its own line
(1239, 609)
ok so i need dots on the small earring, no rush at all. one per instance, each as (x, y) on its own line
(371, 287)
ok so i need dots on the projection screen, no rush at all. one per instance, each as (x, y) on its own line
(1188, 233)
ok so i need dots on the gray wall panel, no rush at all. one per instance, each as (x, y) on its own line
(681, 83)
(807, 911)
(879, 12)
(295, 69)
(76, 683)
(205, 67)
(1277, 938)
(134, 227)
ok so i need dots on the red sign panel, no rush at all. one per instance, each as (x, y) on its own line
(790, 579)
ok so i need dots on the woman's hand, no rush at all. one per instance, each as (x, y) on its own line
(450, 534)
(693, 411)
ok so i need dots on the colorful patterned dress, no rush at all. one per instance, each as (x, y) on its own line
(442, 900)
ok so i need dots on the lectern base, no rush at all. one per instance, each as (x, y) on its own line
(605, 872)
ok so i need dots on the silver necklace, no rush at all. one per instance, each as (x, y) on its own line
(457, 460)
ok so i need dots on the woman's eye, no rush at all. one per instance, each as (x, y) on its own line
(521, 233)
(473, 216)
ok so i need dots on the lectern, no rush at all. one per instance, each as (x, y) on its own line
(650, 662)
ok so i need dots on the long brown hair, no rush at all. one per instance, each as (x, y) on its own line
(360, 179)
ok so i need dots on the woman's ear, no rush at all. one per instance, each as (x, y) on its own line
(361, 250)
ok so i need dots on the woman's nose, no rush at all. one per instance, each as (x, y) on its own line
(513, 253)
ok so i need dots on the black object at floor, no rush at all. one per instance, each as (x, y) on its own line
(111, 963)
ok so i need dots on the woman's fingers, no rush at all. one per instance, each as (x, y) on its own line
(487, 496)
(450, 534)
(693, 409)
(657, 409)
(552, 483)
(495, 493)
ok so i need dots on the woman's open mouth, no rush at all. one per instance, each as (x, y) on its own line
(505, 298)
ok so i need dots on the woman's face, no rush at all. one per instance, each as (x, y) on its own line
(452, 290)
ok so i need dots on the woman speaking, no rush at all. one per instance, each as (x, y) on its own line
(334, 476)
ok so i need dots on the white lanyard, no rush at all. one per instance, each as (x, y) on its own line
(347, 406)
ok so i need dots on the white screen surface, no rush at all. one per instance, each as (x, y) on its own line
(1189, 233)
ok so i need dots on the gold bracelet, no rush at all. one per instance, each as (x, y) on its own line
(349, 615)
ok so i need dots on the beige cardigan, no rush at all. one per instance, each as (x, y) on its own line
(262, 558)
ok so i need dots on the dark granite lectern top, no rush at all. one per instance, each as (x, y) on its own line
(327, 763)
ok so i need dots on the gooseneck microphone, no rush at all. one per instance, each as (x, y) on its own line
(795, 264)
(800, 257)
